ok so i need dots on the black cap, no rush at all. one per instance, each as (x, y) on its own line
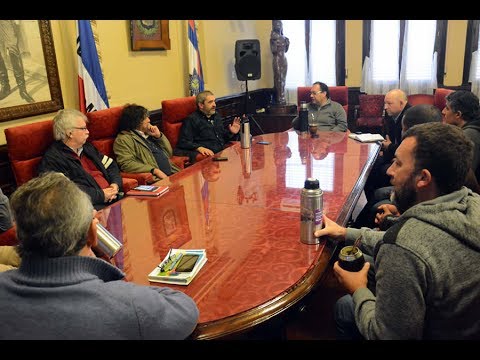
(312, 183)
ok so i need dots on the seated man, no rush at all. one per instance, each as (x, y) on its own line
(462, 109)
(9, 258)
(203, 131)
(426, 277)
(5, 215)
(328, 115)
(418, 114)
(62, 291)
(95, 173)
(140, 147)
(396, 103)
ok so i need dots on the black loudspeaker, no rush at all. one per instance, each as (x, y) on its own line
(247, 60)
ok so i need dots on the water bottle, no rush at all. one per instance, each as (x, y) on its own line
(107, 244)
(311, 211)
(245, 138)
(303, 117)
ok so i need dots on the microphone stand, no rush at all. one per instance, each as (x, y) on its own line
(247, 101)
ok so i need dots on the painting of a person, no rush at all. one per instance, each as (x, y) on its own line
(9, 39)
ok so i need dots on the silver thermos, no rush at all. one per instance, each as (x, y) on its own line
(107, 244)
(245, 138)
(311, 211)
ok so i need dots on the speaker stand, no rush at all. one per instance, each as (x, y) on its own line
(249, 116)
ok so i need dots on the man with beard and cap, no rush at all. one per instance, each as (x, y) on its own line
(426, 276)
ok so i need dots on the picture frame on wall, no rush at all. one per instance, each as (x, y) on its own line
(29, 80)
(148, 35)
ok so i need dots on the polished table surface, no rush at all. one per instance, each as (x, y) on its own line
(245, 213)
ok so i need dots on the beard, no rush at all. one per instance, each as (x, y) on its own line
(406, 196)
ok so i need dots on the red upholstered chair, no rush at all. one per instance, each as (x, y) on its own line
(369, 114)
(103, 127)
(417, 99)
(9, 237)
(439, 97)
(174, 111)
(26, 145)
(337, 93)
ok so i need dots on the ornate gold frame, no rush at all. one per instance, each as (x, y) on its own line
(56, 101)
(149, 35)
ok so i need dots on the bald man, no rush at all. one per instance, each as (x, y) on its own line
(395, 105)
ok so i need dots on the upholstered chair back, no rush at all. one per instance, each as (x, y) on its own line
(417, 99)
(103, 128)
(174, 111)
(337, 93)
(439, 97)
(26, 145)
(369, 115)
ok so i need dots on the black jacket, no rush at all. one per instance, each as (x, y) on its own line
(394, 131)
(198, 131)
(60, 158)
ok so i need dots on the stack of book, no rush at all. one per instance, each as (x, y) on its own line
(148, 190)
(179, 266)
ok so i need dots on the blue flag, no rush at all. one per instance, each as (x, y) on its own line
(91, 87)
(195, 76)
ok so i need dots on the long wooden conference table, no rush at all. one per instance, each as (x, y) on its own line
(245, 213)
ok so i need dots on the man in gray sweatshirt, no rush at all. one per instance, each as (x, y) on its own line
(62, 291)
(462, 109)
(426, 265)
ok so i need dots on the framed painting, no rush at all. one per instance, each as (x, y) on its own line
(29, 81)
(149, 35)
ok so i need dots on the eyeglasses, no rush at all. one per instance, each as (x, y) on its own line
(80, 128)
(315, 92)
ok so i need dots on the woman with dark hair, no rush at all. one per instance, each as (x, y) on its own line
(140, 146)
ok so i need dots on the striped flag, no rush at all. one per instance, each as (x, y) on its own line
(91, 87)
(195, 75)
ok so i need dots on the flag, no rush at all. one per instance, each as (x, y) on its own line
(195, 74)
(91, 87)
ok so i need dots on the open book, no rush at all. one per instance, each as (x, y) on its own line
(179, 266)
(148, 190)
(366, 137)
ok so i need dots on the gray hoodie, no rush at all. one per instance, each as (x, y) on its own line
(472, 131)
(427, 274)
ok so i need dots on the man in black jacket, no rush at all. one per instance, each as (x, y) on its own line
(396, 103)
(95, 173)
(203, 131)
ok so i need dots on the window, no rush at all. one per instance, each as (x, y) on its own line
(471, 66)
(316, 53)
(406, 54)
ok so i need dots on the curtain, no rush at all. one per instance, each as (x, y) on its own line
(380, 65)
(474, 73)
(312, 54)
(418, 72)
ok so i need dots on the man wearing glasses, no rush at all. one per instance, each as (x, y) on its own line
(95, 173)
(328, 115)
